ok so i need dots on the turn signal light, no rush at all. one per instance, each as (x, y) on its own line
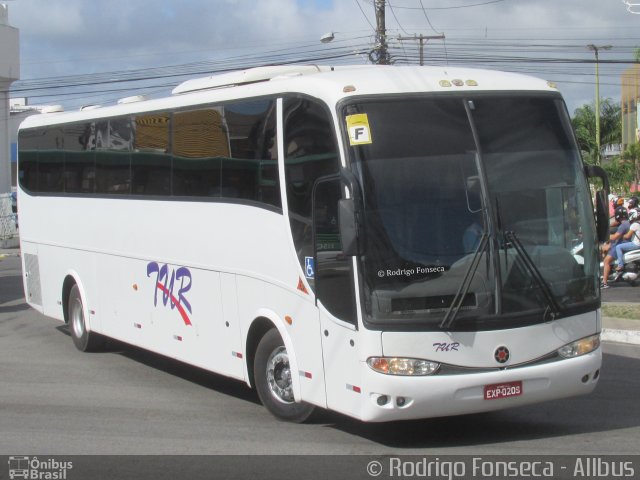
(580, 347)
(402, 366)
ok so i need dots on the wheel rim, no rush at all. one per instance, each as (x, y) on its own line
(77, 318)
(279, 376)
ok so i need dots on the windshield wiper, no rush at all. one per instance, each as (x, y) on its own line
(456, 304)
(535, 273)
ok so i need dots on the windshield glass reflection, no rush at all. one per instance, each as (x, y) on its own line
(428, 206)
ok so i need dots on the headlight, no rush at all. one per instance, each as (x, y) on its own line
(402, 366)
(580, 347)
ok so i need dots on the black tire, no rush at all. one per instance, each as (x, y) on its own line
(83, 339)
(272, 376)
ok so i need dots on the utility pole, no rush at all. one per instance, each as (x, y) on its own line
(595, 49)
(422, 39)
(380, 53)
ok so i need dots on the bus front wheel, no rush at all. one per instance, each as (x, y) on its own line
(272, 374)
(83, 339)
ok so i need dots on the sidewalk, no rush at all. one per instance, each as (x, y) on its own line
(619, 330)
(9, 250)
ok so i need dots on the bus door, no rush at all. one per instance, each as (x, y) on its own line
(335, 294)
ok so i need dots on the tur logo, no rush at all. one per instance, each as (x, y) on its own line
(173, 284)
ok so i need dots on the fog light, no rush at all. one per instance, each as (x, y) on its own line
(383, 400)
(596, 375)
(401, 401)
(585, 379)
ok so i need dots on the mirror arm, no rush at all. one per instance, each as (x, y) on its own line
(596, 171)
(349, 179)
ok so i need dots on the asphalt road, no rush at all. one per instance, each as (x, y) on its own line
(621, 292)
(55, 400)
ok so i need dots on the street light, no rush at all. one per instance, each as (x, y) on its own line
(327, 37)
(595, 49)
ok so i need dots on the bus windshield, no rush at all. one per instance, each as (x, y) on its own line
(476, 212)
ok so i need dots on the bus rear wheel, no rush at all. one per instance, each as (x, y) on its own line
(83, 339)
(272, 374)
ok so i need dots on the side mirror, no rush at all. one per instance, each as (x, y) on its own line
(348, 226)
(602, 216)
(602, 207)
(347, 208)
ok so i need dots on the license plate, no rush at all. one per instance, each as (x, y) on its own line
(502, 390)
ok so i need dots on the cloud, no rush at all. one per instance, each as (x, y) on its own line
(73, 37)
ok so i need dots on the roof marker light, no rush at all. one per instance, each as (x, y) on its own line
(471, 83)
(52, 109)
(445, 83)
(457, 82)
(349, 89)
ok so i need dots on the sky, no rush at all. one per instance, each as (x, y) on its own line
(79, 52)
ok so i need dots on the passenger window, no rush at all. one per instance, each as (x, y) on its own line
(80, 143)
(200, 141)
(251, 171)
(113, 160)
(227, 151)
(51, 161)
(150, 159)
(28, 144)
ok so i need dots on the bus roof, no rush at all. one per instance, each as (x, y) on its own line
(325, 82)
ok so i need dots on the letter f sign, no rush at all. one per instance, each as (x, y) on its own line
(359, 131)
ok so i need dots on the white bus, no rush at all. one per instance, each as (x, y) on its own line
(386, 242)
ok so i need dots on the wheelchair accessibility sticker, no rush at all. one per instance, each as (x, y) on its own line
(309, 268)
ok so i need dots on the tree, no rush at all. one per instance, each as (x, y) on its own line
(620, 174)
(632, 156)
(584, 124)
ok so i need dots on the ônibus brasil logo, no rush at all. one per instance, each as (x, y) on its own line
(38, 469)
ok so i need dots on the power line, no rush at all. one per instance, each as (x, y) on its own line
(563, 58)
(453, 7)
(427, 17)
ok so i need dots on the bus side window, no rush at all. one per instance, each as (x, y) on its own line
(113, 159)
(28, 146)
(334, 276)
(51, 162)
(226, 152)
(150, 159)
(310, 152)
(80, 143)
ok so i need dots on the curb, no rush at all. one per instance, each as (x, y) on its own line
(620, 336)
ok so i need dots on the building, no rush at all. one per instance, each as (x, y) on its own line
(629, 105)
(9, 72)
